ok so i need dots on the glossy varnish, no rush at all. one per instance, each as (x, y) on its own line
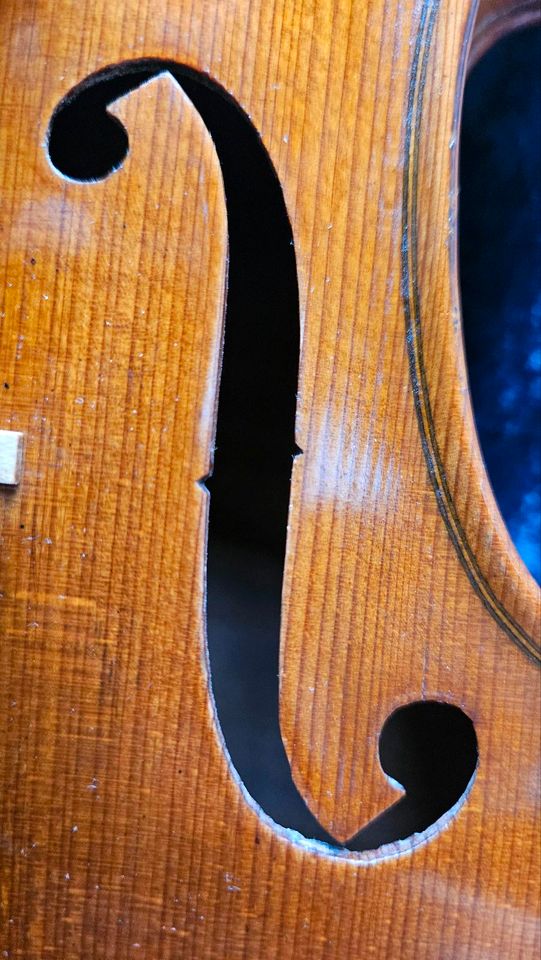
(124, 831)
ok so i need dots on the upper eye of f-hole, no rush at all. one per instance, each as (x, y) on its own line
(85, 142)
(250, 485)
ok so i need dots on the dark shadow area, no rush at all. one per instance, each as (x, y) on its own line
(500, 276)
(430, 748)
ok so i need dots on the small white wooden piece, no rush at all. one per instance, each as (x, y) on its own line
(11, 457)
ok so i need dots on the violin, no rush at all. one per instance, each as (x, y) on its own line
(236, 439)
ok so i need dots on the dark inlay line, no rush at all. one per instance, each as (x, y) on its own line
(414, 337)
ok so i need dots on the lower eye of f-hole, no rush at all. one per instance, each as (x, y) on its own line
(427, 748)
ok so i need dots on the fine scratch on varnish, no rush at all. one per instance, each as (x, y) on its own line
(124, 831)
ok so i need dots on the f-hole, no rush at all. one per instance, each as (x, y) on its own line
(253, 460)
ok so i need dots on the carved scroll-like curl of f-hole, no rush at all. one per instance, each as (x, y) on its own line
(250, 484)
